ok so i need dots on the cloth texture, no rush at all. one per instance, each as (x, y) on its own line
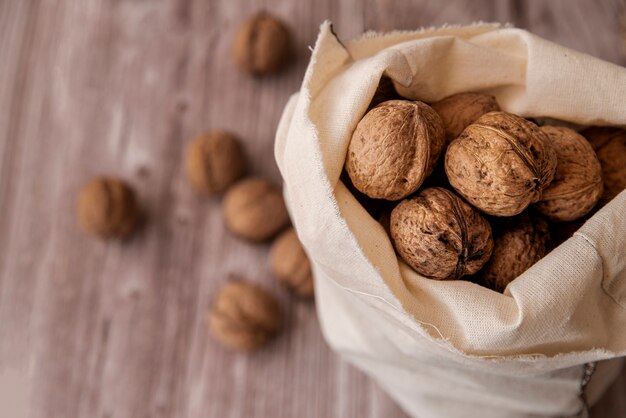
(454, 348)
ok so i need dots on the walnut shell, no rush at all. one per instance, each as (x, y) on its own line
(244, 316)
(393, 148)
(107, 208)
(501, 163)
(290, 264)
(460, 110)
(255, 210)
(518, 244)
(262, 44)
(440, 236)
(577, 183)
(610, 147)
(214, 162)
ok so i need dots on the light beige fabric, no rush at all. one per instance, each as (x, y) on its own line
(453, 348)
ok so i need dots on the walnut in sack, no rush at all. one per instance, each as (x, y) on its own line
(610, 147)
(262, 44)
(255, 210)
(393, 148)
(244, 316)
(439, 235)
(290, 264)
(577, 183)
(460, 110)
(214, 161)
(107, 208)
(501, 163)
(518, 244)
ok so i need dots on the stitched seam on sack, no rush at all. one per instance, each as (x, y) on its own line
(603, 283)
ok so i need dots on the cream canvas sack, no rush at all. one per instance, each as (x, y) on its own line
(453, 348)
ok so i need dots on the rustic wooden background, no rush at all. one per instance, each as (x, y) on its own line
(93, 329)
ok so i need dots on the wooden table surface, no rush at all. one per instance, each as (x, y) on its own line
(97, 329)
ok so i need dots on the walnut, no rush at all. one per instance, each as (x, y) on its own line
(610, 147)
(214, 161)
(107, 208)
(262, 44)
(393, 148)
(501, 163)
(244, 316)
(577, 183)
(290, 264)
(439, 235)
(518, 244)
(460, 110)
(255, 210)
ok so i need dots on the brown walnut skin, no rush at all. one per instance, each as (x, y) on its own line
(107, 208)
(577, 183)
(610, 147)
(214, 161)
(393, 148)
(460, 110)
(290, 264)
(519, 243)
(244, 316)
(262, 44)
(255, 210)
(440, 236)
(501, 163)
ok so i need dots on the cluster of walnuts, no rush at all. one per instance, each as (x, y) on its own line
(244, 316)
(466, 190)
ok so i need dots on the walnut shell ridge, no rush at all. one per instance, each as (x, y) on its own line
(393, 148)
(501, 163)
(460, 110)
(577, 183)
(439, 235)
(610, 147)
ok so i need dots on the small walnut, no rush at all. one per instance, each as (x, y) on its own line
(290, 264)
(577, 183)
(393, 148)
(244, 316)
(107, 208)
(262, 44)
(255, 210)
(610, 147)
(501, 163)
(460, 110)
(518, 244)
(214, 161)
(440, 236)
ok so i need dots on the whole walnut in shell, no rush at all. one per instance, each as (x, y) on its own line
(393, 148)
(439, 235)
(577, 183)
(214, 161)
(460, 110)
(262, 44)
(244, 316)
(518, 244)
(290, 264)
(501, 163)
(610, 147)
(255, 210)
(107, 208)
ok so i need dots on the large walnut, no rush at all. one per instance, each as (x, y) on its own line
(393, 148)
(577, 183)
(610, 147)
(518, 244)
(460, 110)
(501, 163)
(439, 235)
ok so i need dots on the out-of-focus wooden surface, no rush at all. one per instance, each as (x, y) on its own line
(93, 329)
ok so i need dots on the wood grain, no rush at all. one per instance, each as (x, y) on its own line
(93, 329)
